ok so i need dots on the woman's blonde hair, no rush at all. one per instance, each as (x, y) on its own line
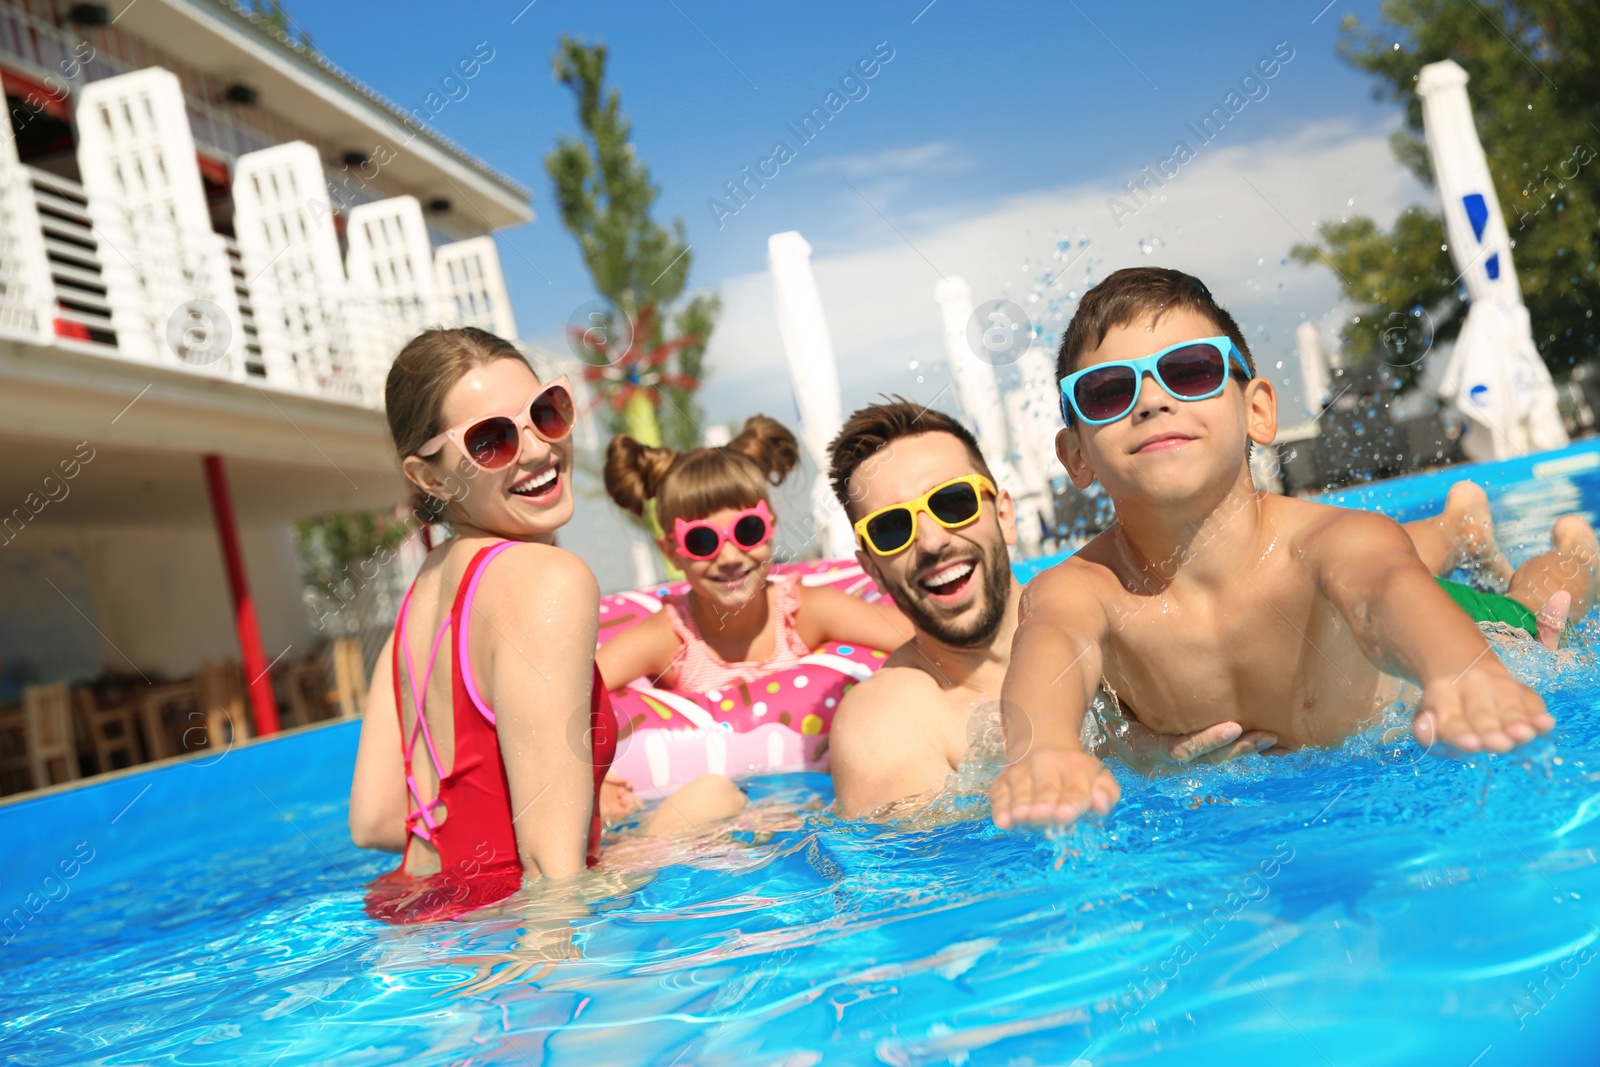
(424, 372)
(692, 485)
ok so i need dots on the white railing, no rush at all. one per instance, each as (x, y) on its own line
(129, 267)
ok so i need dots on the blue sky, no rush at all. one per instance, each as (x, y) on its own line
(991, 141)
(980, 102)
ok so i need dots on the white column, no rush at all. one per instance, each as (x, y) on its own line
(972, 377)
(1495, 377)
(813, 375)
(979, 395)
(1313, 367)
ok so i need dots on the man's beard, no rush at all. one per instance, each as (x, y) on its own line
(976, 632)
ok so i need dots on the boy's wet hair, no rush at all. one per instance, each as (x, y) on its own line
(877, 426)
(1133, 295)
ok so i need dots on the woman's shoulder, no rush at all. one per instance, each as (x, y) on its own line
(539, 575)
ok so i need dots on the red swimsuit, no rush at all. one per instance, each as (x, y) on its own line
(477, 845)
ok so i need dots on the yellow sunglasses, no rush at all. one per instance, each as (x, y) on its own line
(951, 504)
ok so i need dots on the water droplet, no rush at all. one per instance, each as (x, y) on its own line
(912, 365)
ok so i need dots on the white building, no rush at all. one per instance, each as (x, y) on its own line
(212, 242)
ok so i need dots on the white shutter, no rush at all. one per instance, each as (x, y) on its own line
(395, 291)
(164, 265)
(284, 221)
(26, 296)
(472, 291)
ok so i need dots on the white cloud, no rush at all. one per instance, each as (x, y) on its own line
(1230, 217)
(940, 154)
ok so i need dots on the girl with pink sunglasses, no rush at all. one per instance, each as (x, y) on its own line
(737, 622)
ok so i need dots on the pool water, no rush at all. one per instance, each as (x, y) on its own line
(1367, 906)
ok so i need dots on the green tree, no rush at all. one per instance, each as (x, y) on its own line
(640, 267)
(1535, 89)
(332, 549)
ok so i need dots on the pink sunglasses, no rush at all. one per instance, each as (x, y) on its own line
(750, 528)
(494, 443)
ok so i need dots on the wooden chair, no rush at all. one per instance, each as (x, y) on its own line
(307, 687)
(15, 776)
(52, 742)
(168, 713)
(113, 732)
(222, 700)
(349, 692)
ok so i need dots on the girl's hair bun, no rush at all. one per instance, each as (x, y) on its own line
(769, 445)
(634, 471)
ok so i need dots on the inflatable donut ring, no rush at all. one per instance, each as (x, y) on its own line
(776, 723)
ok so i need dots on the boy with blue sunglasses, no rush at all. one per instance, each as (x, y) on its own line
(1208, 599)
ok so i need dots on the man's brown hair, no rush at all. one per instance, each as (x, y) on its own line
(876, 426)
(1132, 295)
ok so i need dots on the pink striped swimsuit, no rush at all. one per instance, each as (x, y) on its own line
(699, 668)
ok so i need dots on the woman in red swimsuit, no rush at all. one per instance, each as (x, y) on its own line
(486, 735)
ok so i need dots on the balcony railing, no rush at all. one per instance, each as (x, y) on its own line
(82, 310)
(124, 265)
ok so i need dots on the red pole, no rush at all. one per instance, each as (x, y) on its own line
(263, 706)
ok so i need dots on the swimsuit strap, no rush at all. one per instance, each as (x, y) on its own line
(423, 812)
(465, 595)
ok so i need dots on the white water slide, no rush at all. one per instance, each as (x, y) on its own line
(1495, 377)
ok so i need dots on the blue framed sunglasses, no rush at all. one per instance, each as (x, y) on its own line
(1188, 370)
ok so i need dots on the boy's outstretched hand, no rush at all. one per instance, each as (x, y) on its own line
(1483, 707)
(1052, 786)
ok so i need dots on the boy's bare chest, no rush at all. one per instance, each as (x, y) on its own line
(1267, 651)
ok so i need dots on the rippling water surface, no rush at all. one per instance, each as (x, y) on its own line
(1372, 905)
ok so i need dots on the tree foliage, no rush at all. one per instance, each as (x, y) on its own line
(605, 196)
(1534, 67)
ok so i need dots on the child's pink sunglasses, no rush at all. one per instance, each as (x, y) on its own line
(701, 540)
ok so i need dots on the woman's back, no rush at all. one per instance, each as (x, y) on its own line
(476, 756)
(462, 850)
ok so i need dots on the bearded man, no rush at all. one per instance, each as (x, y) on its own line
(933, 530)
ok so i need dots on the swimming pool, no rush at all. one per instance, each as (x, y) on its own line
(1370, 906)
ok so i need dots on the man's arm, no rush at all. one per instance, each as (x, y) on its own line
(1055, 667)
(1408, 627)
(878, 752)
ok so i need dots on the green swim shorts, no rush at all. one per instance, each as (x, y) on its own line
(1491, 607)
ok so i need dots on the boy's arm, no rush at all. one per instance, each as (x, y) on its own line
(1054, 670)
(1408, 627)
